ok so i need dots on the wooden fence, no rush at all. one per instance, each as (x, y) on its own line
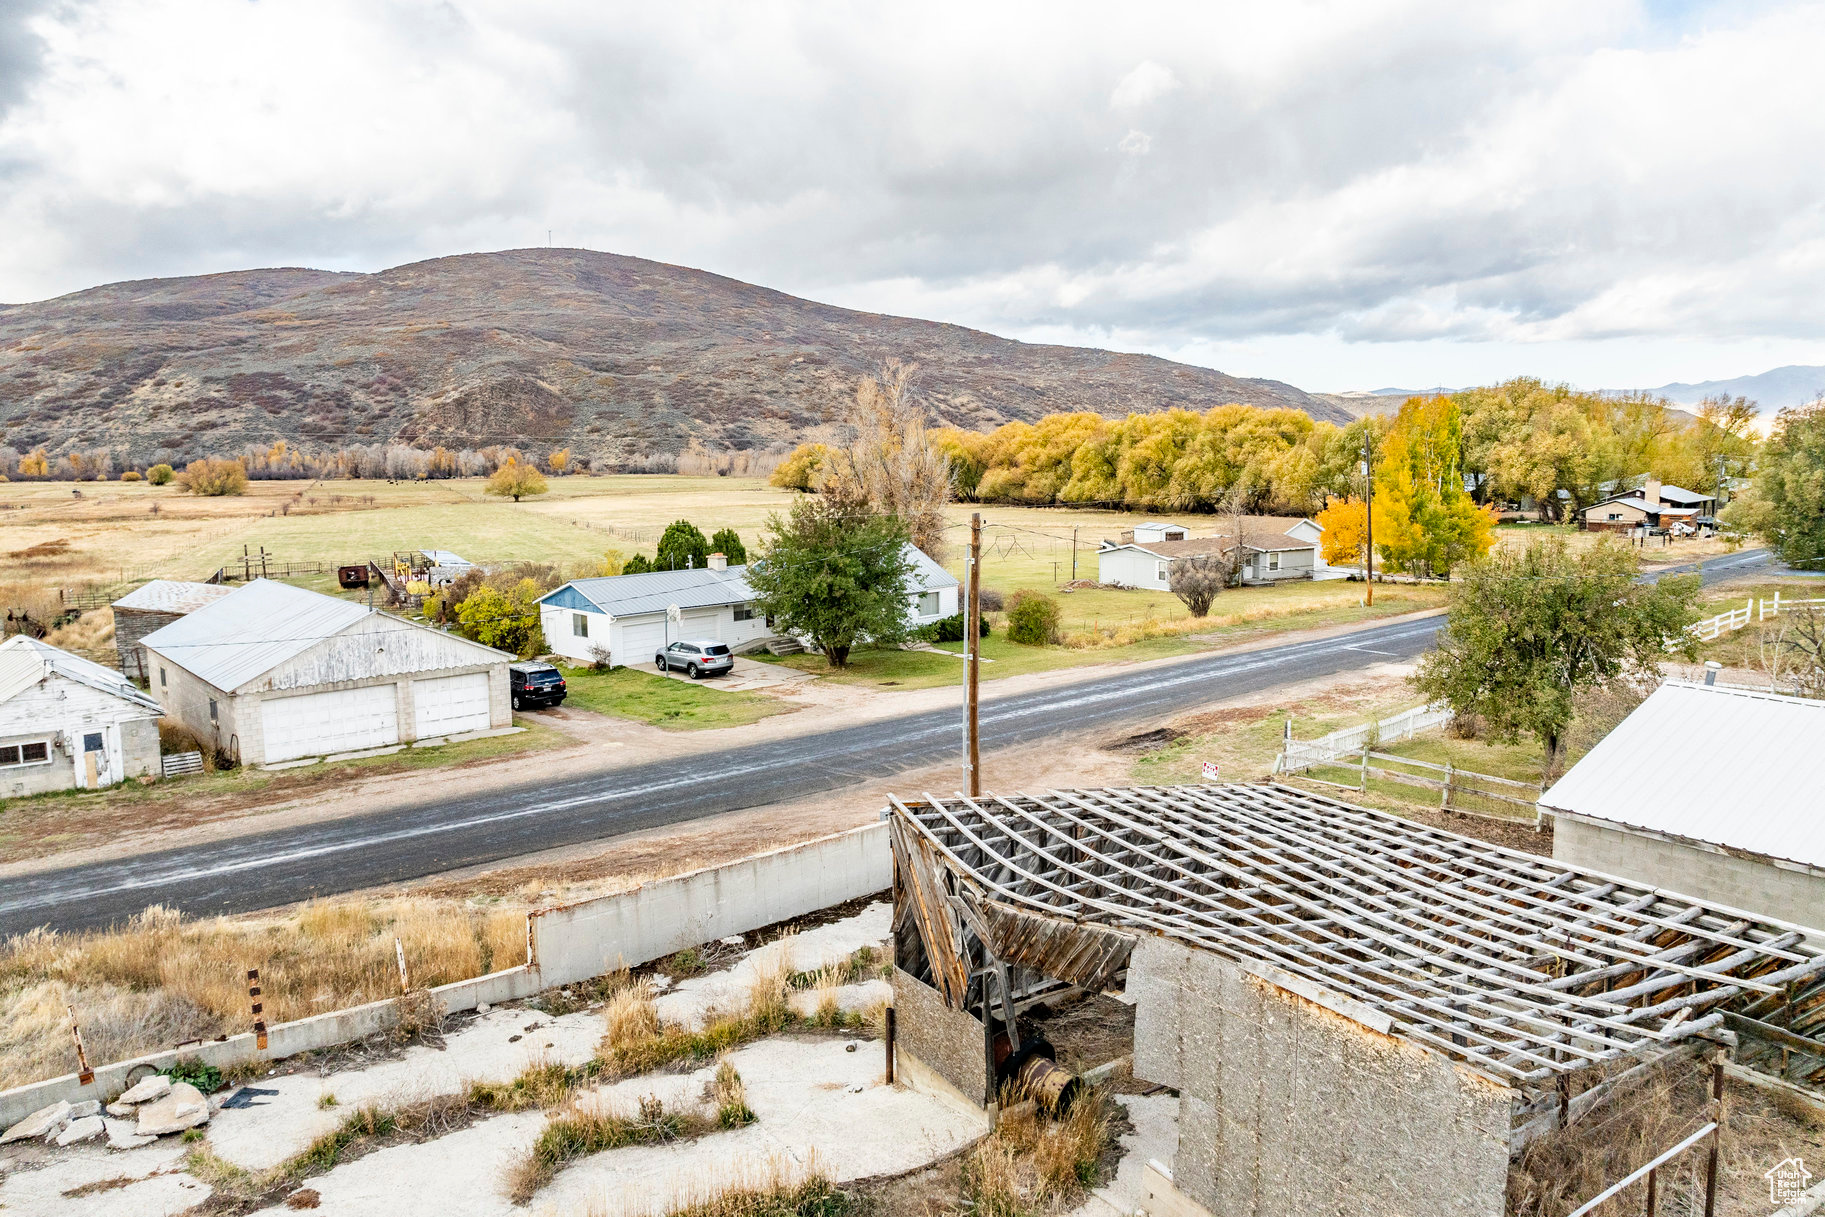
(1459, 789)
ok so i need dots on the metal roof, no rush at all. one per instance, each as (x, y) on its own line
(1636, 500)
(172, 596)
(1731, 767)
(255, 629)
(1517, 965)
(443, 557)
(26, 661)
(655, 591)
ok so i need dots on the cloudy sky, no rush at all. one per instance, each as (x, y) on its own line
(1350, 195)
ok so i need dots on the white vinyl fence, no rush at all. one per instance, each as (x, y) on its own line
(1325, 750)
(1712, 628)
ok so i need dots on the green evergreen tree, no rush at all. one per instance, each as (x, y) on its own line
(835, 572)
(727, 542)
(682, 545)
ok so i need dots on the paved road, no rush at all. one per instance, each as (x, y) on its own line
(272, 868)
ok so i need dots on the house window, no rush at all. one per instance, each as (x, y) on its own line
(212, 717)
(38, 752)
(928, 604)
(91, 741)
(579, 624)
(744, 612)
(1273, 562)
(1159, 570)
(1615, 515)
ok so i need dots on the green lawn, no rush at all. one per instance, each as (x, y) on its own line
(673, 704)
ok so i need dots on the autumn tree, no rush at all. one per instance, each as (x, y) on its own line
(516, 479)
(803, 469)
(213, 478)
(160, 474)
(1424, 520)
(1527, 629)
(1346, 533)
(506, 620)
(892, 464)
(1786, 504)
(559, 461)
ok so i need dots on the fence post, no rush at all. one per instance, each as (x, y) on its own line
(1717, 1132)
(1444, 803)
(1364, 783)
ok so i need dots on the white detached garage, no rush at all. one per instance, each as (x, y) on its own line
(274, 673)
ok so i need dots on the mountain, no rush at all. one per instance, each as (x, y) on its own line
(615, 357)
(1773, 390)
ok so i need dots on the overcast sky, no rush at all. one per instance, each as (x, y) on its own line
(1341, 196)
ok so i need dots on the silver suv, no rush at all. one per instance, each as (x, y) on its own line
(699, 659)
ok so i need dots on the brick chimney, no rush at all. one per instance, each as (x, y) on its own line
(720, 562)
(1650, 490)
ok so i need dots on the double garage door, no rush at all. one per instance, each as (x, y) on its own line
(344, 720)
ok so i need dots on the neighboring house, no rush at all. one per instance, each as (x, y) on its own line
(274, 672)
(1653, 506)
(627, 616)
(445, 567)
(1713, 792)
(67, 722)
(153, 607)
(1274, 548)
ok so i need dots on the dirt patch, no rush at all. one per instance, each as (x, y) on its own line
(1087, 1029)
(1146, 741)
(1518, 835)
(1210, 720)
(101, 1185)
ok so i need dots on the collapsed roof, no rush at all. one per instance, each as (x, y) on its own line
(1516, 965)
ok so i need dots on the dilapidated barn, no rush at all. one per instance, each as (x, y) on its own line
(1360, 1014)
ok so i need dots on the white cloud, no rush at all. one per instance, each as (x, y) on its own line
(1336, 184)
(1147, 82)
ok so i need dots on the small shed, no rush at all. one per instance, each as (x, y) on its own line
(1706, 790)
(273, 673)
(153, 607)
(66, 722)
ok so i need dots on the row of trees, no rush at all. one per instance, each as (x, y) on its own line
(1522, 440)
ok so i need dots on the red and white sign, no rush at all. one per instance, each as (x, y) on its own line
(1210, 771)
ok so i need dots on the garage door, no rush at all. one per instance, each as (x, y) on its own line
(640, 641)
(448, 705)
(313, 724)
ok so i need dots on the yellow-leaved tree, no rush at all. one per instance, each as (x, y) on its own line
(1425, 523)
(1346, 527)
(515, 479)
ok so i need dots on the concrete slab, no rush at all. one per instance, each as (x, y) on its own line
(495, 1047)
(689, 1000)
(157, 1188)
(1155, 1135)
(364, 753)
(276, 766)
(813, 1100)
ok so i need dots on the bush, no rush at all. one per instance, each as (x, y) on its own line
(992, 601)
(1032, 618)
(159, 475)
(206, 1078)
(129, 476)
(213, 478)
(950, 629)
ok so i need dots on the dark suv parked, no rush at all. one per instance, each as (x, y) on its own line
(535, 685)
(699, 659)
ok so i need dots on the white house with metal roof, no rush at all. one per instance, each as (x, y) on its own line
(629, 617)
(273, 672)
(66, 722)
(1711, 791)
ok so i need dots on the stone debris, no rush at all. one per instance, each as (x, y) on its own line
(124, 1134)
(182, 1107)
(81, 1130)
(44, 1120)
(85, 1109)
(120, 1110)
(147, 1089)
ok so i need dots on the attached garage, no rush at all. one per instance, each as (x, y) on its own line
(451, 705)
(640, 640)
(342, 720)
(275, 673)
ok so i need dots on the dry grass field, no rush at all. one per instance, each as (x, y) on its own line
(121, 531)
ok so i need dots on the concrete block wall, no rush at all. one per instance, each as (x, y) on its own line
(1286, 1106)
(572, 943)
(1788, 893)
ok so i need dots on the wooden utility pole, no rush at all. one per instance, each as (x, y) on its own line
(1074, 553)
(972, 664)
(1368, 516)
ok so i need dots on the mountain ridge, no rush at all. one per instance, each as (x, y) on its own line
(615, 357)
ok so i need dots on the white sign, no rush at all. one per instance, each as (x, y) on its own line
(1210, 771)
(674, 614)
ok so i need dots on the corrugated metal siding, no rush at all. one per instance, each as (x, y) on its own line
(26, 661)
(377, 646)
(1725, 766)
(172, 596)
